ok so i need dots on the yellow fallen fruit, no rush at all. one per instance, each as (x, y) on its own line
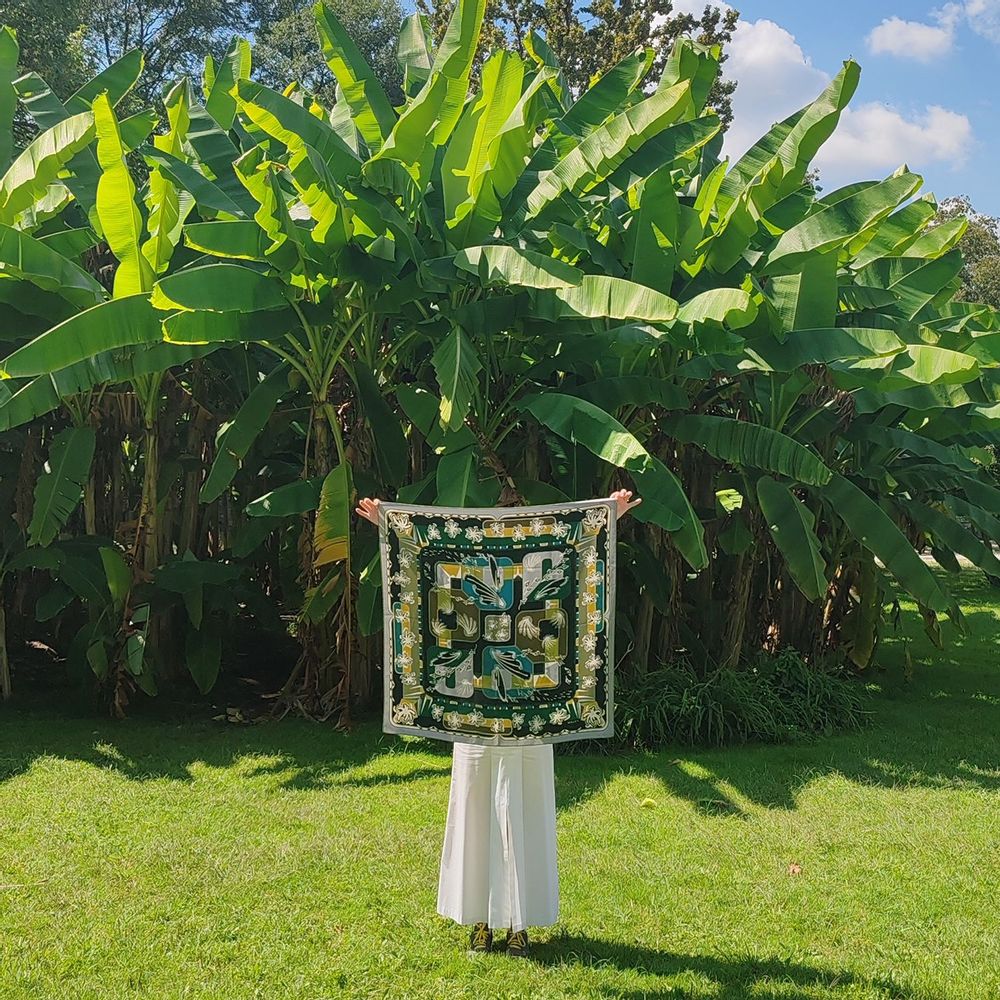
(648, 803)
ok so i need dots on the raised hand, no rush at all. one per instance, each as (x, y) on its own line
(368, 509)
(623, 498)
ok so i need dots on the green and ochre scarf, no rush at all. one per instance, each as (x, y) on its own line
(499, 622)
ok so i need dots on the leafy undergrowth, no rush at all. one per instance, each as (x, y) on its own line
(777, 699)
(184, 858)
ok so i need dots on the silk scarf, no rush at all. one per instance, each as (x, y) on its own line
(499, 622)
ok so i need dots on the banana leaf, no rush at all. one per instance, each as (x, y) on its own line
(599, 296)
(292, 125)
(664, 500)
(112, 324)
(606, 148)
(116, 207)
(632, 390)
(238, 239)
(204, 327)
(455, 476)
(467, 158)
(22, 256)
(391, 448)
(9, 54)
(235, 66)
(218, 288)
(456, 364)
(370, 108)
(744, 443)
(237, 437)
(206, 193)
(521, 268)
(878, 533)
(833, 226)
(203, 656)
(793, 142)
(949, 532)
(415, 52)
(59, 489)
(402, 163)
(298, 497)
(793, 528)
(29, 176)
(115, 80)
(332, 531)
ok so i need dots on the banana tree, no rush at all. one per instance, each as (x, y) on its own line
(586, 273)
(97, 341)
(318, 271)
(509, 293)
(790, 310)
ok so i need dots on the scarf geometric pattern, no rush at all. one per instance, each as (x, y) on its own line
(499, 622)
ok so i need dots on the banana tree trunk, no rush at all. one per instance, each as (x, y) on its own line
(416, 455)
(117, 486)
(643, 636)
(737, 605)
(190, 539)
(701, 489)
(148, 556)
(90, 500)
(27, 476)
(836, 605)
(319, 685)
(5, 686)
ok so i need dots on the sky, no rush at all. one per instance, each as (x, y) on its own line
(929, 94)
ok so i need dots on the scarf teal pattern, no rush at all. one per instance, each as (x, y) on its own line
(499, 622)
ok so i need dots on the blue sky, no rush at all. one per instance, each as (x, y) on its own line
(929, 93)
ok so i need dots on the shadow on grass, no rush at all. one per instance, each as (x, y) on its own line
(298, 755)
(941, 737)
(726, 977)
(716, 782)
(937, 731)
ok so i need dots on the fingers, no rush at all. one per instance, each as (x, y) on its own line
(624, 501)
(368, 509)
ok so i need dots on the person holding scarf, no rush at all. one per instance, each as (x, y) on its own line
(498, 860)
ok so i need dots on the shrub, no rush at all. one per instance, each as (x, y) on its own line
(775, 699)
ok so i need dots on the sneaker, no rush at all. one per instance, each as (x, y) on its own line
(517, 944)
(481, 938)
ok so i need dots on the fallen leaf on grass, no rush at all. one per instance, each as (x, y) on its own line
(794, 869)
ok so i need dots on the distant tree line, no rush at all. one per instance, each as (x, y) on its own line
(67, 41)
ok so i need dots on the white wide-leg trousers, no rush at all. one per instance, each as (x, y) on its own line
(498, 863)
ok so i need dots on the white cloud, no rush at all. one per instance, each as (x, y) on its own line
(984, 18)
(876, 138)
(776, 78)
(926, 42)
(913, 39)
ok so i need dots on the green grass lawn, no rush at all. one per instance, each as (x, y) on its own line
(193, 859)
